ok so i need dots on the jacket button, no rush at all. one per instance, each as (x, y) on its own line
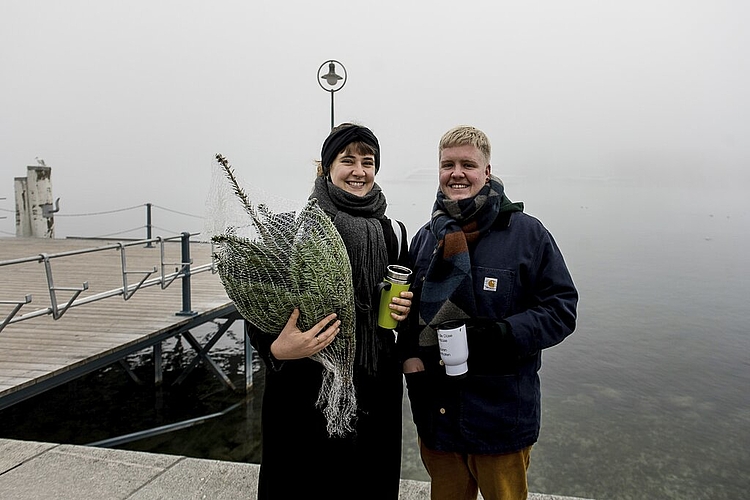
(442, 411)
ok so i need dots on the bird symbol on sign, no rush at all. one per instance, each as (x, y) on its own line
(331, 78)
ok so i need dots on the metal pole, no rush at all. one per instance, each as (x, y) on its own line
(158, 371)
(148, 225)
(156, 431)
(334, 82)
(248, 359)
(332, 110)
(186, 276)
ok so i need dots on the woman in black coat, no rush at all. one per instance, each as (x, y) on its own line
(300, 459)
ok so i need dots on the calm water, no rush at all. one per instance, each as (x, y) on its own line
(648, 399)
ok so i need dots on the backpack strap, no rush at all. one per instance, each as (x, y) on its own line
(400, 231)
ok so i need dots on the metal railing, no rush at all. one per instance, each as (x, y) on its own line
(183, 270)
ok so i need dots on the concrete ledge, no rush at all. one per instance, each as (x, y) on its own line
(45, 471)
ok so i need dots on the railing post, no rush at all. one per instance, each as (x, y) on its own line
(148, 225)
(186, 311)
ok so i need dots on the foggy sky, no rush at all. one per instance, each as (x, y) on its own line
(129, 101)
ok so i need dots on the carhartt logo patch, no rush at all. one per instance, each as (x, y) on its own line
(490, 284)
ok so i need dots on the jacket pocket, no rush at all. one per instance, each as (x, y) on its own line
(490, 407)
(493, 289)
(420, 386)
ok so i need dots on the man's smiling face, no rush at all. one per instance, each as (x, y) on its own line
(463, 172)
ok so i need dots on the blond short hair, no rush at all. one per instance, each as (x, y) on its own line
(463, 135)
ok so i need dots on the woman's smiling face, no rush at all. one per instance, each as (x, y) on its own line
(353, 172)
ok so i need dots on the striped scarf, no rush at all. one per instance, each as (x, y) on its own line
(448, 290)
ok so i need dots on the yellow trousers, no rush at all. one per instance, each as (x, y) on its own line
(457, 476)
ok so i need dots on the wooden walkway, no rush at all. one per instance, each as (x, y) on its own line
(40, 352)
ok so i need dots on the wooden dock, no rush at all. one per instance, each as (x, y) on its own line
(41, 352)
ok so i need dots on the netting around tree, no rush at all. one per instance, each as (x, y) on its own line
(274, 255)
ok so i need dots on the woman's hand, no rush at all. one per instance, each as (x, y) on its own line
(293, 343)
(401, 305)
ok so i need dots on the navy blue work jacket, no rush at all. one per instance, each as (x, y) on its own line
(495, 407)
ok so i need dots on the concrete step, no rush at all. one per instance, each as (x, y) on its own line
(47, 471)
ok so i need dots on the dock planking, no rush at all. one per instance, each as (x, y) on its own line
(40, 352)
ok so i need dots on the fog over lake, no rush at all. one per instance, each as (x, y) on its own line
(621, 125)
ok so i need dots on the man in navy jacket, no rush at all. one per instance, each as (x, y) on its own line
(485, 269)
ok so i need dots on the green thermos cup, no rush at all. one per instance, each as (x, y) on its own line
(396, 281)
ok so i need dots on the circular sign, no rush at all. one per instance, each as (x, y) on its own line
(330, 76)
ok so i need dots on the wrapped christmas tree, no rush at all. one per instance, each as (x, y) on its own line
(274, 255)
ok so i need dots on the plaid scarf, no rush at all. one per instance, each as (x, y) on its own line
(448, 290)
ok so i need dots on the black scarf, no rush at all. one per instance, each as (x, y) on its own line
(357, 219)
(448, 290)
